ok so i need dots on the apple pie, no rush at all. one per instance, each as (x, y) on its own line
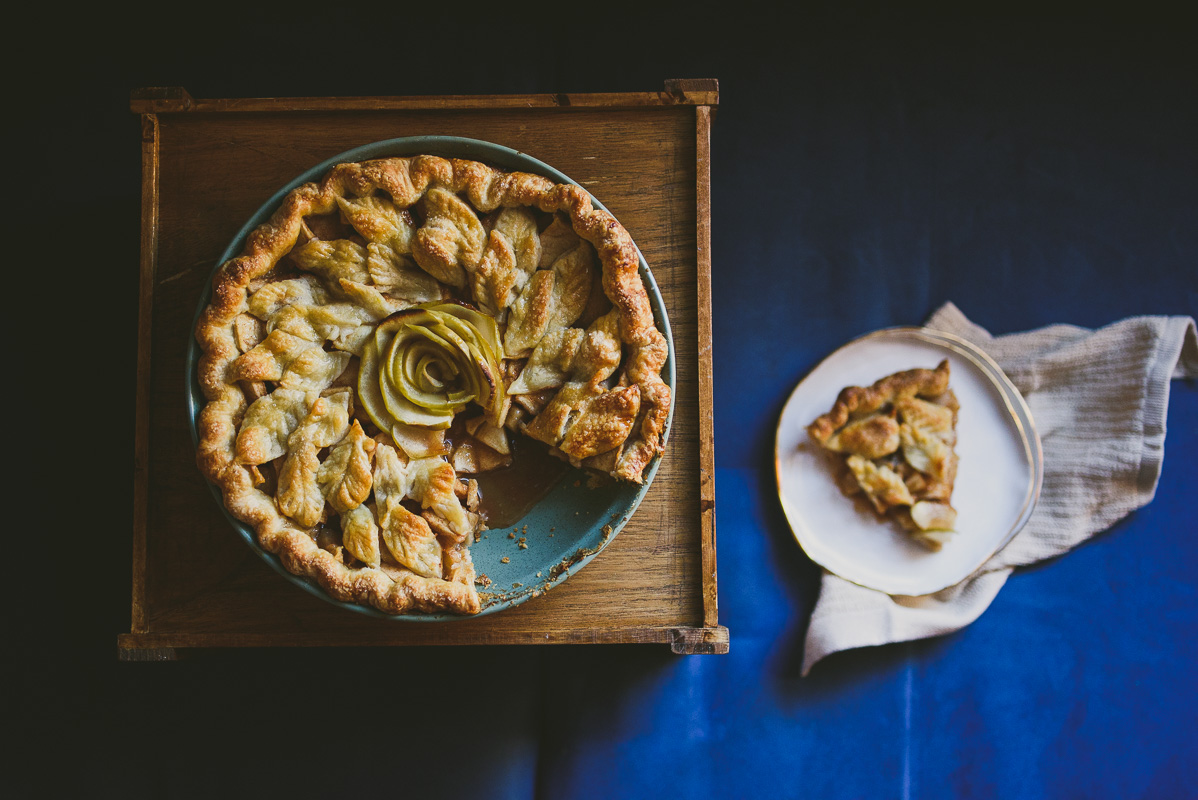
(895, 444)
(381, 340)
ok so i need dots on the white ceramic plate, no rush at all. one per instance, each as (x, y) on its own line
(998, 477)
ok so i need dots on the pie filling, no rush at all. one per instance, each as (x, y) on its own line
(894, 443)
(402, 331)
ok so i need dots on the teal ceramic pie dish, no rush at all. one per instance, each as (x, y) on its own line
(572, 523)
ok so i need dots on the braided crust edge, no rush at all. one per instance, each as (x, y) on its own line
(405, 181)
(863, 400)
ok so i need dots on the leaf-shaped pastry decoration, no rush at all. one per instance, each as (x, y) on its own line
(530, 314)
(411, 542)
(299, 495)
(872, 436)
(375, 302)
(551, 299)
(345, 325)
(314, 368)
(344, 477)
(932, 416)
(551, 362)
(604, 423)
(268, 300)
(555, 240)
(450, 243)
(924, 450)
(360, 535)
(433, 483)
(928, 434)
(881, 484)
(292, 361)
(398, 276)
(497, 281)
(380, 221)
(327, 421)
(333, 260)
(513, 254)
(269, 422)
(392, 480)
(519, 226)
(600, 351)
(572, 288)
(597, 358)
(549, 426)
(268, 360)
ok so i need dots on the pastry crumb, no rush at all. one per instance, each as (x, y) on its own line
(505, 560)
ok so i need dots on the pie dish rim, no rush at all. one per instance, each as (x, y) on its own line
(593, 540)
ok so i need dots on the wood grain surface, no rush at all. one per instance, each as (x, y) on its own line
(197, 585)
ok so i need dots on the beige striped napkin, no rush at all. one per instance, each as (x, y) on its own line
(1099, 399)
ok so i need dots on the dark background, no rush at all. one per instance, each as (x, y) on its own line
(870, 162)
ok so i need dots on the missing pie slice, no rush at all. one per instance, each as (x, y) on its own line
(391, 333)
(895, 443)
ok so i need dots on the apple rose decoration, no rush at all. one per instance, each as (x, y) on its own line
(427, 363)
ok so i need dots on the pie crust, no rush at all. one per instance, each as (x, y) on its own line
(895, 442)
(384, 517)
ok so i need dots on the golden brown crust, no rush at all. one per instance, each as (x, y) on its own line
(855, 400)
(234, 350)
(897, 440)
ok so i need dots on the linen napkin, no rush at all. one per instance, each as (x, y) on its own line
(1098, 398)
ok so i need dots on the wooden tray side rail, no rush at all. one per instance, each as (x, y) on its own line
(195, 587)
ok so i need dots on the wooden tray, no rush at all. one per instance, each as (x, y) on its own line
(206, 167)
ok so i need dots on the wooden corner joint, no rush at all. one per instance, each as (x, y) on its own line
(152, 99)
(693, 90)
(699, 641)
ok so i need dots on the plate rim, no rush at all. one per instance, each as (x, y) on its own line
(428, 144)
(1014, 403)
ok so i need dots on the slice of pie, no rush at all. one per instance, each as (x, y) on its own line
(895, 442)
(382, 340)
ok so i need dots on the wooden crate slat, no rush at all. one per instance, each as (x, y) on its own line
(176, 99)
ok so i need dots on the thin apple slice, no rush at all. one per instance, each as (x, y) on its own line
(419, 442)
(400, 367)
(369, 391)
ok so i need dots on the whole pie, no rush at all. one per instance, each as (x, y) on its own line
(386, 336)
(895, 442)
